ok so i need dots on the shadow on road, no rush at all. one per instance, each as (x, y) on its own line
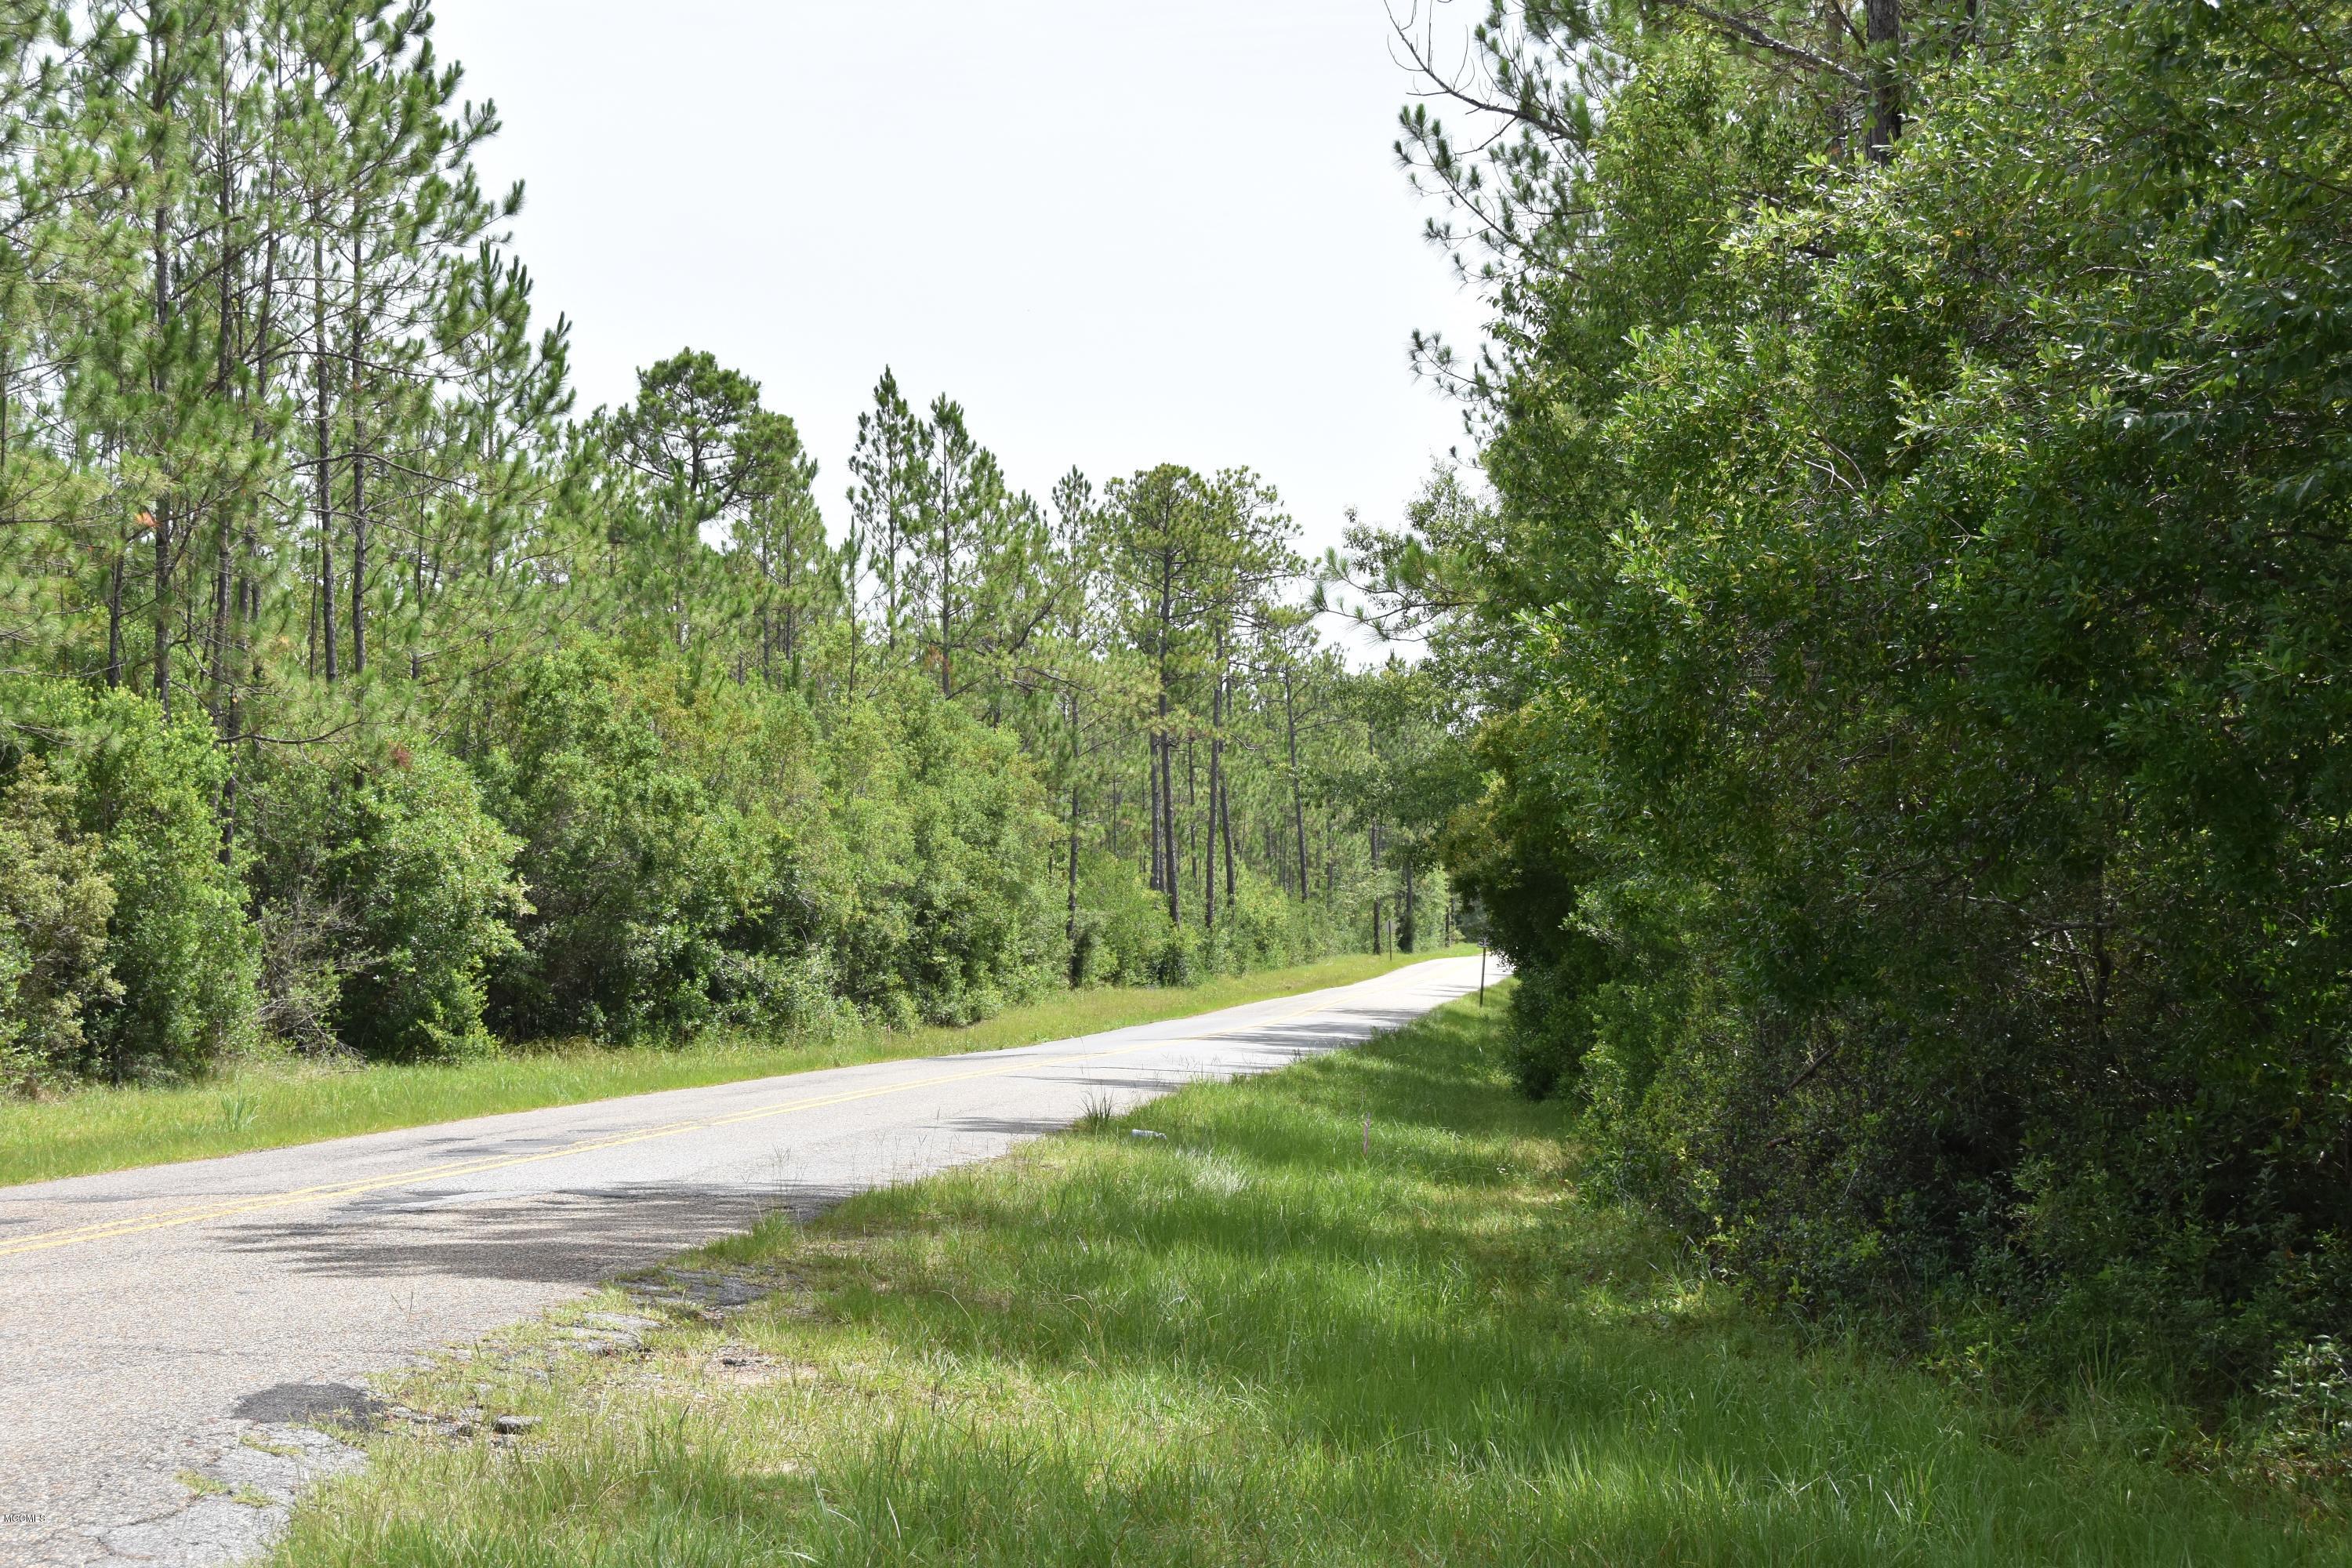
(563, 1238)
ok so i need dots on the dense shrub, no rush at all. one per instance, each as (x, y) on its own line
(111, 829)
(431, 872)
(1123, 928)
(635, 870)
(949, 916)
(386, 894)
(1262, 927)
(1125, 938)
(700, 852)
(178, 942)
(55, 906)
(1914, 622)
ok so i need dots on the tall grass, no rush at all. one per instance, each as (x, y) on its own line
(1259, 1342)
(269, 1105)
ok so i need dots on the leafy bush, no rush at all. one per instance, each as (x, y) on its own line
(55, 906)
(112, 830)
(1177, 961)
(400, 886)
(1549, 1033)
(178, 942)
(636, 871)
(1262, 927)
(949, 912)
(689, 846)
(1124, 936)
(1123, 928)
(1914, 623)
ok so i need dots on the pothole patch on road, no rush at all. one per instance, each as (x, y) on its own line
(280, 1440)
(309, 1403)
(240, 1500)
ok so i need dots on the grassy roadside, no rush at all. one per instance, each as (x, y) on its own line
(271, 1106)
(1350, 1313)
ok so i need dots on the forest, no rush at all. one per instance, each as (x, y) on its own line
(1908, 646)
(359, 697)
(1880, 674)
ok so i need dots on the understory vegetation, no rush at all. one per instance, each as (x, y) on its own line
(359, 699)
(1358, 1312)
(1905, 647)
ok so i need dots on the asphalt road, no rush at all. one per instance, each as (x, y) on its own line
(174, 1325)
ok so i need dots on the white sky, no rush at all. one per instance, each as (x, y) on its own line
(1121, 232)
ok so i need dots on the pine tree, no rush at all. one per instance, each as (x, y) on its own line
(891, 468)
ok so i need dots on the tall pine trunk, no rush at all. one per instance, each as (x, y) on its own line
(1297, 792)
(1216, 780)
(325, 468)
(161, 529)
(1226, 816)
(1070, 926)
(1164, 782)
(947, 678)
(160, 520)
(1151, 807)
(359, 470)
(1168, 818)
(225, 535)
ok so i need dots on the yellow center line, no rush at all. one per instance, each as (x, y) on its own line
(199, 1214)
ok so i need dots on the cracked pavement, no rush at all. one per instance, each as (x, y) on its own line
(172, 1340)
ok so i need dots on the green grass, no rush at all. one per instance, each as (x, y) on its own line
(272, 1105)
(1275, 1338)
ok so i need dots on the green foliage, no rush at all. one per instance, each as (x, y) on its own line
(950, 840)
(130, 812)
(636, 873)
(704, 852)
(400, 886)
(1125, 938)
(431, 873)
(1123, 935)
(284, 456)
(179, 942)
(55, 906)
(1912, 634)
(2306, 1437)
(1262, 928)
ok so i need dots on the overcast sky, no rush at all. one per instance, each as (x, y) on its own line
(1121, 232)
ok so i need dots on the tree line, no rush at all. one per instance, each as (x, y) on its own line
(358, 694)
(1907, 649)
